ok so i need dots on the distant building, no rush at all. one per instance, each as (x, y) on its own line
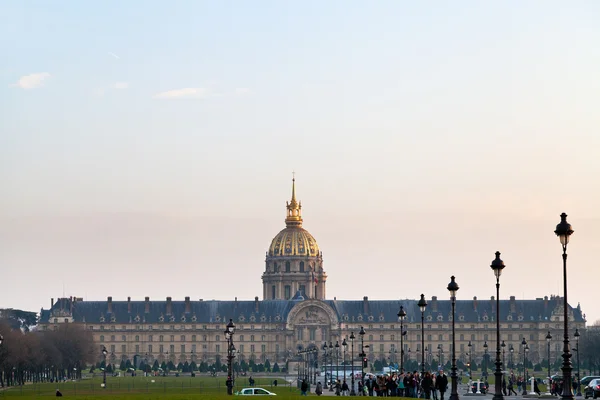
(295, 314)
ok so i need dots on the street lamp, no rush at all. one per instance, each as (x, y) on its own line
(564, 231)
(363, 356)
(422, 306)
(525, 351)
(325, 362)
(548, 340)
(512, 355)
(470, 361)
(453, 288)
(337, 361)
(104, 354)
(229, 331)
(497, 266)
(485, 359)
(401, 318)
(439, 349)
(578, 376)
(345, 346)
(331, 365)
(352, 337)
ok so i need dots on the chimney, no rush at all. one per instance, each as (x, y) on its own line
(51, 302)
(109, 304)
(365, 305)
(256, 304)
(475, 303)
(493, 304)
(169, 306)
(513, 304)
(545, 301)
(188, 307)
(71, 305)
(434, 304)
(129, 304)
(147, 305)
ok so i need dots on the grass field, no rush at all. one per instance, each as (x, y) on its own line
(140, 387)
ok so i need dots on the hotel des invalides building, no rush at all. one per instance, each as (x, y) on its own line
(294, 314)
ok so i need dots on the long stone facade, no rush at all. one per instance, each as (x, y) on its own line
(294, 314)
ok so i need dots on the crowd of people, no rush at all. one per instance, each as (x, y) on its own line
(403, 384)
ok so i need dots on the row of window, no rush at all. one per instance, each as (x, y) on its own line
(182, 338)
(182, 348)
(172, 327)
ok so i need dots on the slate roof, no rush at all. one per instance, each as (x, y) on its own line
(348, 311)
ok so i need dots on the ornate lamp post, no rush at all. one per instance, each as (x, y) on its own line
(325, 363)
(548, 340)
(352, 337)
(485, 360)
(525, 351)
(453, 288)
(401, 318)
(337, 360)
(470, 361)
(511, 350)
(422, 306)
(345, 347)
(331, 365)
(564, 231)
(229, 331)
(361, 333)
(578, 376)
(104, 354)
(497, 266)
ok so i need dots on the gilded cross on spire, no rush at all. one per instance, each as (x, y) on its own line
(294, 214)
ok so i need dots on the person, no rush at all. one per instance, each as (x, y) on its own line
(58, 393)
(511, 388)
(504, 386)
(303, 387)
(427, 384)
(338, 388)
(251, 381)
(441, 383)
(536, 389)
(319, 389)
(344, 388)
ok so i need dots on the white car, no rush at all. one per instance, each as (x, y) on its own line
(255, 392)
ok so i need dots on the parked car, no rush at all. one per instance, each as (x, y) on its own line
(255, 392)
(587, 379)
(592, 389)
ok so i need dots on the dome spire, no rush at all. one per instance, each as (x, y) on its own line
(294, 208)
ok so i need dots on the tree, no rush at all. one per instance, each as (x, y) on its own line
(193, 366)
(128, 365)
(275, 367)
(267, 366)
(18, 319)
(155, 366)
(180, 366)
(123, 367)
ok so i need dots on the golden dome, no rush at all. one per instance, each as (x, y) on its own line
(294, 241)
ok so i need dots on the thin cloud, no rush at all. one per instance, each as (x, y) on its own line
(121, 85)
(114, 55)
(241, 91)
(32, 81)
(188, 93)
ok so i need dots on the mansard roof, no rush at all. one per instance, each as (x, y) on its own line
(276, 311)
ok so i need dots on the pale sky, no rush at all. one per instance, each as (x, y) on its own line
(146, 147)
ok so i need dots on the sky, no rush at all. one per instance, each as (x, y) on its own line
(147, 147)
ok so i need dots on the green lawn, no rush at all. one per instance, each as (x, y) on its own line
(140, 387)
